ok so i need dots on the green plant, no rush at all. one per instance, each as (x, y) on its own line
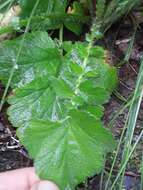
(109, 12)
(59, 89)
(60, 104)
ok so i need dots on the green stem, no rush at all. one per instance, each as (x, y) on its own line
(84, 65)
(61, 38)
(61, 33)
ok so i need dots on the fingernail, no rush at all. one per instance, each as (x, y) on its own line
(45, 185)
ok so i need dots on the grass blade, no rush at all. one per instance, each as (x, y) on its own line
(15, 61)
(131, 122)
(127, 159)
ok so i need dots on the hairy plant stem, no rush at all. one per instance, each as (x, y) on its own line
(85, 61)
(79, 80)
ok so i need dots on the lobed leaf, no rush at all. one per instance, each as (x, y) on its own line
(61, 107)
(55, 14)
(38, 52)
(68, 151)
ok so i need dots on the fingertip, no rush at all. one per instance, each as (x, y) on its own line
(44, 185)
(32, 174)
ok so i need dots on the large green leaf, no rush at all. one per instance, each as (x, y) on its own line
(38, 52)
(41, 99)
(44, 6)
(62, 108)
(53, 14)
(94, 90)
(68, 151)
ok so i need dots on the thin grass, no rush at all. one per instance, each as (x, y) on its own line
(113, 11)
(120, 96)
(127, 159)
(141, 187)
(15, 66)
(119, 112)
(114, 160)
(122, 109)
(5, 4)
(102, 176)
(116, 9)
(133, 115)
(130, 47)
(131, 123)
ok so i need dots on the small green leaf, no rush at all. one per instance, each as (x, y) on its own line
(61, 88)
(31, 101)
(56, 92)
(76, 68)
(93, 94)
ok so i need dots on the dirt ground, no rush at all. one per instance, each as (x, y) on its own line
(13, 155)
